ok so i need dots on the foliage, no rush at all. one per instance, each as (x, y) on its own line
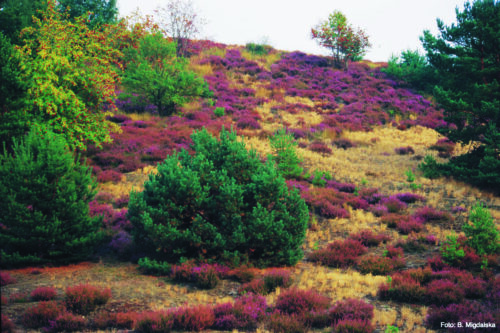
(223, 203)
(17, 15)
(97, 12)
(482, 233)
(285, 155)
(219, 112)
(299, 301)
(465, 57)
(345, 42)
(12, 92)
(413, 68)
(258, 48)
(70, 76)
(43, 294)
(339, 253)
(430, 167)
(41, 314)
(179, 20)
(45, 208)
(154, 267)
(6, 278)
(84, 298)
(157, 73)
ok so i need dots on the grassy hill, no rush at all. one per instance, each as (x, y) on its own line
(360, 136)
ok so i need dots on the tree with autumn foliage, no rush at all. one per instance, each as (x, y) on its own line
(345, 42)
(70, 72)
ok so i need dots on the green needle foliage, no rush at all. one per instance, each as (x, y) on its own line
(45, 195)
(285, 155)
(466, 59)
(481, 231)
(220, 203)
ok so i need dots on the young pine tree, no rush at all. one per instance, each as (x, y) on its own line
(285, 155)
(45, 194)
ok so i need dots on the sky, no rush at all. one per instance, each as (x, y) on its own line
(391, 25)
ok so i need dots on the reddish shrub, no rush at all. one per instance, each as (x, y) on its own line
(409, 197)
(443, 292)
(19, 298)
(109, 176)
(122, 201)
(351, 308)
(436, 263)
(392, 220)
(275, 278)
(41, 314)
(343, 143)
(429, 214)
(393, 204)
(194, 318)
(43, 294)
(249, 310)
(375, 265)
(453, 313)
(5, 300)
(444, 147)
(242, 274)
(183, 272)
(402, 289)
(120, 320)
(84, 298)
(412, 244)
(283, 323)
(67, 322)
(6, 278)
(155, 322)
(368, 238)
(320, 147)
(7, 324)
(297, 301)
(339, 253)
(256, 286)
(205, 276)
(353, 326)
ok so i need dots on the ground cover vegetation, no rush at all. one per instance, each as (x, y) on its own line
(283, 195)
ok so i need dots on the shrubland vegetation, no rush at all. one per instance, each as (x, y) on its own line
(310, 213)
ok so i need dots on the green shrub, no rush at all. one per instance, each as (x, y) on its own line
(219, 203)
(258, 49)
(284, 154)
(451, 250)
(45, 195)
(153, 267)
(430, 167)
(219, 111)
(482, 234)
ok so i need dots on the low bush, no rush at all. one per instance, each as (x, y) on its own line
(393, 204)
(339, 253)
(351, 308)
(409, 197)
(155, 322)
(368, 238)
(256, 286)
(6, 279)
(443, 292)
(444, 147)
(19, 297)
(118, 320)
(7, 325)
(402, 289)
(481, 231)
(320, 147)
(275, 278)
(43, 294)
(242, 274)
(67, 322)
(343, 143)
(375, 265)
(432, 215)
(249, 310)
(298, 301)
(196, 318)
(206, 276)
(353, 326)
(41, 314)
(278, 322)
(408, 226)
(404, 150)
(84, 298)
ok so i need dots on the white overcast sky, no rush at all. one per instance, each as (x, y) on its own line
(392, 25)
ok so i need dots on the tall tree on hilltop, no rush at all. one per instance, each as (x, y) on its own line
(466, 56)
(345, 42)
(179, 20)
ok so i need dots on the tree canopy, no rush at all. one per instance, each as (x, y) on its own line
(345, 42)
(466, 56)
(98, 12)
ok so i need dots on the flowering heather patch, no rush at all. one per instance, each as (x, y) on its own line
(409, 197)
(393, 204)
(403, 289)
(41, 314)
(343, 143)
(277, 277)
(119, 320)
(409, 226)
(368, 238)
(19, 297)
(443, 292)
(283, 323)
(298, 301)
(6, 279)
(375, 265)
(241, 274)
(444, 147)
(196, 318)
(109, 176)
(67, 322)
(432, 215)
(43, 294)
(320, 147)
(249, 310)
(465, 312)
(256, 286)
(7, 325)
(351, 308)
(155, 322)
(339, 253)
(84, 298)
